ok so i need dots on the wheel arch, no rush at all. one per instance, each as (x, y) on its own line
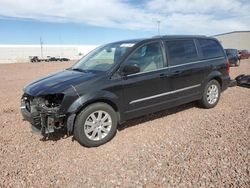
(218, 79)
(84, 101)
(204, 101)
(216, 75)
(101, 100)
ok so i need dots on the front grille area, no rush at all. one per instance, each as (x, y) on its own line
(27, 105)
(38, 113)
(37, 122)
(31, 106)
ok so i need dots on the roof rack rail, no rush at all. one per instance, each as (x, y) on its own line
(173, 36)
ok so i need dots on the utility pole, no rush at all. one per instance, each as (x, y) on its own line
(41, 43)
(61, 48)
(158, 26)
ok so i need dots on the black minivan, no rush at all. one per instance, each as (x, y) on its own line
(124, 80)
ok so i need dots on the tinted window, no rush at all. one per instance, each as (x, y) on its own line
(231, 52)
(210, 48)
(181, 51)
(148, 57)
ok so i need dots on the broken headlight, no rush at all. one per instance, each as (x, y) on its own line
(53, 100)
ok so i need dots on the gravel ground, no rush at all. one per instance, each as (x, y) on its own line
(185, 146)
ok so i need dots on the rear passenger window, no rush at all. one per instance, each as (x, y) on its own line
(181, 52)
(210, 48)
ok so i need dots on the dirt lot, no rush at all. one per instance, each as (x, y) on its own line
(186, 146)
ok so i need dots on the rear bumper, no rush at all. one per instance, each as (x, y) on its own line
(232, 83)
(226, 81)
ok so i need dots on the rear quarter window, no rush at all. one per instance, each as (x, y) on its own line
(181, 51)
(210, 48)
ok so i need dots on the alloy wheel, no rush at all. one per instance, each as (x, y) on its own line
(97, 125)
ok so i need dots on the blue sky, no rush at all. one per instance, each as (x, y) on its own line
(98, 21)
(19, 31)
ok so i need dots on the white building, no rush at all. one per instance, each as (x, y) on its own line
(21, 53)
(237, 39)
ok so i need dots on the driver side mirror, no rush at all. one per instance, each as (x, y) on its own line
(130, 69)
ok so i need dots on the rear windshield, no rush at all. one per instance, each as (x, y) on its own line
(210, 48)
(231, 51)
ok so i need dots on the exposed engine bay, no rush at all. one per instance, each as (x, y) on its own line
(43, 112)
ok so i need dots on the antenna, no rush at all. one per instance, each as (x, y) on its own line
(159, 26)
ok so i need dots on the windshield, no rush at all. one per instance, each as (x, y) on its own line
(103, 58)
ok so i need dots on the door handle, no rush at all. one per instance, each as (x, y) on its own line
(175, 74)
(163, 75)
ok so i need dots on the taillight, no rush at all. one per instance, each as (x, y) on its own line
(228, 67)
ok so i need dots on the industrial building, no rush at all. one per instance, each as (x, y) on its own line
(237, 39)
(21, 53)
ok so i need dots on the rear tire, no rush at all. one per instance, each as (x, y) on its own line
(95, 125)
(211, 94)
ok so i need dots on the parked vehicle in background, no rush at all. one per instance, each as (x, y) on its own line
(64, 59)
(57, 59)
(233, 57)
(124, 80)
(34, 59)
(244, 54)
(49, 58)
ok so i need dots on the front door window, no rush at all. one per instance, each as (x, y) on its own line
(148, 57)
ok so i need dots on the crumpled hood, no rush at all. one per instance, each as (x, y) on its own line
(57, 82)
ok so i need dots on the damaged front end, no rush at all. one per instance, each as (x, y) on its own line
(43, 112)
(52, 102)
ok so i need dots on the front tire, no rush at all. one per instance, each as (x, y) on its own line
(211, 94)
(95, 125)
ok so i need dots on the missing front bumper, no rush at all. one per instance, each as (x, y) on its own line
(42, 120)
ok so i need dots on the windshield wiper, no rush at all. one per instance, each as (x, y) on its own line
(79, 70)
